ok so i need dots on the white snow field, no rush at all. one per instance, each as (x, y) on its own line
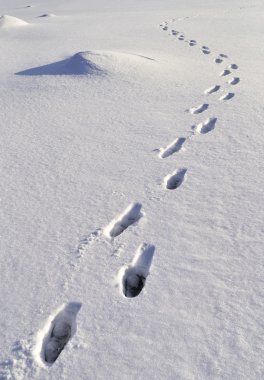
(132, 190)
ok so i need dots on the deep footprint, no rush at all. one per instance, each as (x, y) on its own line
(234, 81)
(60, 330)
(207, 126)
(212, 89)
(133, 276)
(199, 109)
(130, 216)
(174, 147)
(227, 96)
(223, 55)
(174, 180)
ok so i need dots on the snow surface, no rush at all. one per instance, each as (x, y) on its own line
(125, 126)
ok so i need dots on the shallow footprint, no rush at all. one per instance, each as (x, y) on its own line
(227, 96)
(206, 50)
(192, 43)
(119, 224)
(218, 60)
(133, 276)
(173, 147)
(201, 108)
(207, 126)
(234, 81)
(212, 89)
(233, 66)
(174, 180)
(225, 73)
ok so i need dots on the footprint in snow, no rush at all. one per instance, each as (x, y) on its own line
(227, 96)
(181, 37)
(206, 50)
(223, 55)
(174, 180)
(131, 215)
(212, 89)
(132, 277)
(174, 32)
(225, 73)
(201, 108)
(234, 81)
(233, 66)
(218, 60)
(57, 332)
(192, 42)
(207, 126)
(47, 15)
(173, 147)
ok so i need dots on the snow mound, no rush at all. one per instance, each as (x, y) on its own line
(11, 22)
(93, 62)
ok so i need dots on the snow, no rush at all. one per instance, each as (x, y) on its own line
(131, 230)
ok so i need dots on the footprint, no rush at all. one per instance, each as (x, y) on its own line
(224, 73)
(207, 126)
(223, 55)
(233, 66)
(192, 43)
(234, 81)
(181, 37)
(174, 180)
(47, 15)
(218, 60)
(199, 109)
(212, 89)
(131, 215)
(206, 50)
(165, 28)
(227, 96)
(174, 32)
(133, 276)
(59, 329)
(174, 147)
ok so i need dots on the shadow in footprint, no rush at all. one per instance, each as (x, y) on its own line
(206, 50)
(228, 96)
(212, 89)
(218, 60)
(118, 225)
(174, 180)
(174, 147)
(234, 81)
(199, 109)
(233, 66)
(57, 332)
(224, 73)
(206, 126)
(133, 276)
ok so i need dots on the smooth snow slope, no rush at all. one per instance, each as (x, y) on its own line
(132, 190)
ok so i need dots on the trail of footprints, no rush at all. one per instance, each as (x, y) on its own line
(61, 326)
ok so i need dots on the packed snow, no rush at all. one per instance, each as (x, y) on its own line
(132, 190)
